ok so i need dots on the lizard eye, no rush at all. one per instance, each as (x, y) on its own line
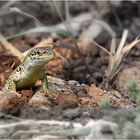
(46, 52)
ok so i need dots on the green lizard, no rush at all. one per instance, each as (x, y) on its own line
(30, 70)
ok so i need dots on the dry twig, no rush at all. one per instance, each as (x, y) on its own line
(11, 48)
(117, 55)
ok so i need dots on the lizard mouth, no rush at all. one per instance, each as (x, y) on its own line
(49, 55)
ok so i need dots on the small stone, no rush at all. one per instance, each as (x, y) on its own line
(127, 75)
(9, 99)
(67, 100)
(27, 93)
(71, 113)
(81, 93)
(39, 99)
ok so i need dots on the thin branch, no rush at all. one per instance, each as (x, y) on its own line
(101, 47)
(60, 15)
(15, 9)
(11, 48)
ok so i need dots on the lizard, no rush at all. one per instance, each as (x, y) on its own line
(30, 70)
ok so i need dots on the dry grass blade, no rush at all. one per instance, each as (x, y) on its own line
(62, 58)
(86, 130)
(8, 4)
(49, 29)
(116, 57)
(121, 45)
(106, 27)
(10, 116)
(11, 48)
(101, 47)
(68, 27)
(29, 122)
(5, 8)
(128, 47)
(67, 15)
(112, 53)
(17, 10)
(66, 132)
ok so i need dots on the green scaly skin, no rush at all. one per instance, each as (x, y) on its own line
(30, 70)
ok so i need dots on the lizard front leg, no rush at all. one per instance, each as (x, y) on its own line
(11, 86)
(46, 89)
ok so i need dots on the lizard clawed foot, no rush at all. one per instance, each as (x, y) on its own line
(51, 95)
(17, 94)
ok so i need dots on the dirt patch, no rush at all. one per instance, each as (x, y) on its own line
(56, 113)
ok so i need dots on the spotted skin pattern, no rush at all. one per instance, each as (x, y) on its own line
(30, 70)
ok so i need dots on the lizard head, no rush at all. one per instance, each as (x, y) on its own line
(41, 55)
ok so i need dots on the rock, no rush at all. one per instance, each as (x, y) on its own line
(27, 93)
(66, 91)
(66, 100)
(127, 75)
(71, 113)
(11, 100)
(39, 99)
